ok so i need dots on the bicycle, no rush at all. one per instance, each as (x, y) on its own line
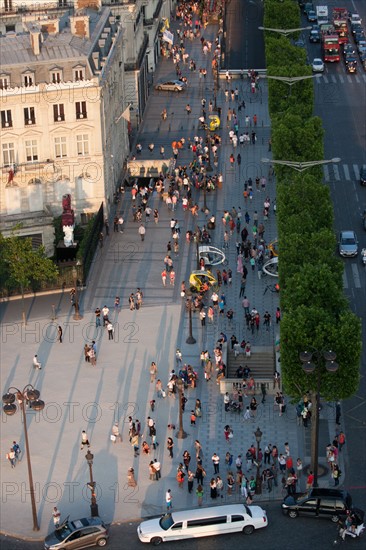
(272, 288)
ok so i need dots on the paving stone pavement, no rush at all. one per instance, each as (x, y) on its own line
(79, 397)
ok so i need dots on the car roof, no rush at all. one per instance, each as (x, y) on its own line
(323, 491)
(347, 233)
(214, 511)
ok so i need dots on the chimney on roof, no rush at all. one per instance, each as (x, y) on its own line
(35, 38)
(80, 26)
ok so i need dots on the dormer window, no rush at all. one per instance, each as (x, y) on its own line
(79, 74)
(56, 76)
(4, 81)
(28, 79)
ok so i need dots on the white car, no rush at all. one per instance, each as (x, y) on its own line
(317, 65)
(203, 522)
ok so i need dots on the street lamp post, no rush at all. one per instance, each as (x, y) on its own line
(301, 166)
(189, 305)
(181, 434)
(290, 80)
(285, 32)
(76, 316)
(309, 366)
(93, 499)
(31, 395)
(258, 480)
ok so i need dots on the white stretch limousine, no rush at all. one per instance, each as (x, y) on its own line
(203, 522)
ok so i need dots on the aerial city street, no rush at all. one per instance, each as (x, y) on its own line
(183, 273)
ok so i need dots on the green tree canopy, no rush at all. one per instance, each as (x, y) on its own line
(309, 327)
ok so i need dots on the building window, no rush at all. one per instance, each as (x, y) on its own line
(6, 120)
(9, 28)
(8, 4)
(80, 107)
(82, 142)
(79, 74)
(56, 76)
(60, 147)
(8, 154)
(31, 150)
(4, 82)
(29, 115)
(58, 112)
(62, 4)
(28, 80)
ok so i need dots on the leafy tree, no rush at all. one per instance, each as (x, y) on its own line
(281, 15)
(297, 139)
(309, 327)
(281, 53)
(25, 265)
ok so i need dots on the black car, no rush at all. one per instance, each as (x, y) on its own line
(314, 36)
(309, 6)
(359, 36)
(317, 503)
(356, 27)
(363, 175)
(348, 48)
(351, 63)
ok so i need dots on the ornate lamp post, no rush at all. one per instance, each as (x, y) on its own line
(31, 395)
(76, 316)
(93, 500)
(311, 361)
(181, 434)
(190, 306)
(301, 166)
(258, 480)
(285, 32)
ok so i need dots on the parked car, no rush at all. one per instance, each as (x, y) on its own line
(203, 522)
(348, 244)
(318, 503)
(78, 533)
(317, 65)
(171, 86)
(363, 175)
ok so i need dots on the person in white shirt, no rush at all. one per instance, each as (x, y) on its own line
(36, 363)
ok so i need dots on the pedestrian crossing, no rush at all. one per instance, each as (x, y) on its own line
(355, 276)
(359, 78)
(341, 172)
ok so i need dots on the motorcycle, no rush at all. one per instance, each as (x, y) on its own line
(363, 256)
(343, 532)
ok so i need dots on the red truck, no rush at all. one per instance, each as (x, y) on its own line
(331, 49)
(340, 16)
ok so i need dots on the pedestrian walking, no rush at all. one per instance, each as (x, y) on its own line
(56, 515)
(169, 500)
(170, 446)
(36, 363)
(11, 457)
(110, 330)
(142, 231)
(216, 463)
(97, 317)
(115, 435)
(131, 481)
(188, 109)
(59, 334)
(199, 493)
(278, 315)
(84, 440)
(153, 371)
(172, 277)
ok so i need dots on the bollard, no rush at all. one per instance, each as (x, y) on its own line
(53, 312)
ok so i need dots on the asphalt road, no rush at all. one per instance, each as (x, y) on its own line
(282, 533)
(341, 103)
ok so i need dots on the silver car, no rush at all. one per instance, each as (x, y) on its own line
(171, 86)
(348, 244)
(78, 533)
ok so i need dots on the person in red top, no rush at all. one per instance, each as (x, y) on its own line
(289, 463)
(310, 480)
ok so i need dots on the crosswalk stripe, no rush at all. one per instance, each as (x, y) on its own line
(333, 78)
(345, 280)
(336, 172)
(325, 79)
(356, 275)
(326, 172)
(349, 79)
(356, 171)
(346, 172)
(364, 77)
(341, 78)
(357, 79)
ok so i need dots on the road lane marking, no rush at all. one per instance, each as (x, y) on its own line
(346, 172)
(357, 79)
(356, 171)
(325, 79)
(345, 280)
(326, 172)
(341, 78)
(334, 78)
(356, 275)
(336, 172)
(349, 79)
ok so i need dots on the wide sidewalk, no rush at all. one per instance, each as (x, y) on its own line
(79, 397)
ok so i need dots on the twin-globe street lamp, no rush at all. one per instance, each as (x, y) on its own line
(285, 32)
(301, 166)
(311, 361)
(31, 395)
